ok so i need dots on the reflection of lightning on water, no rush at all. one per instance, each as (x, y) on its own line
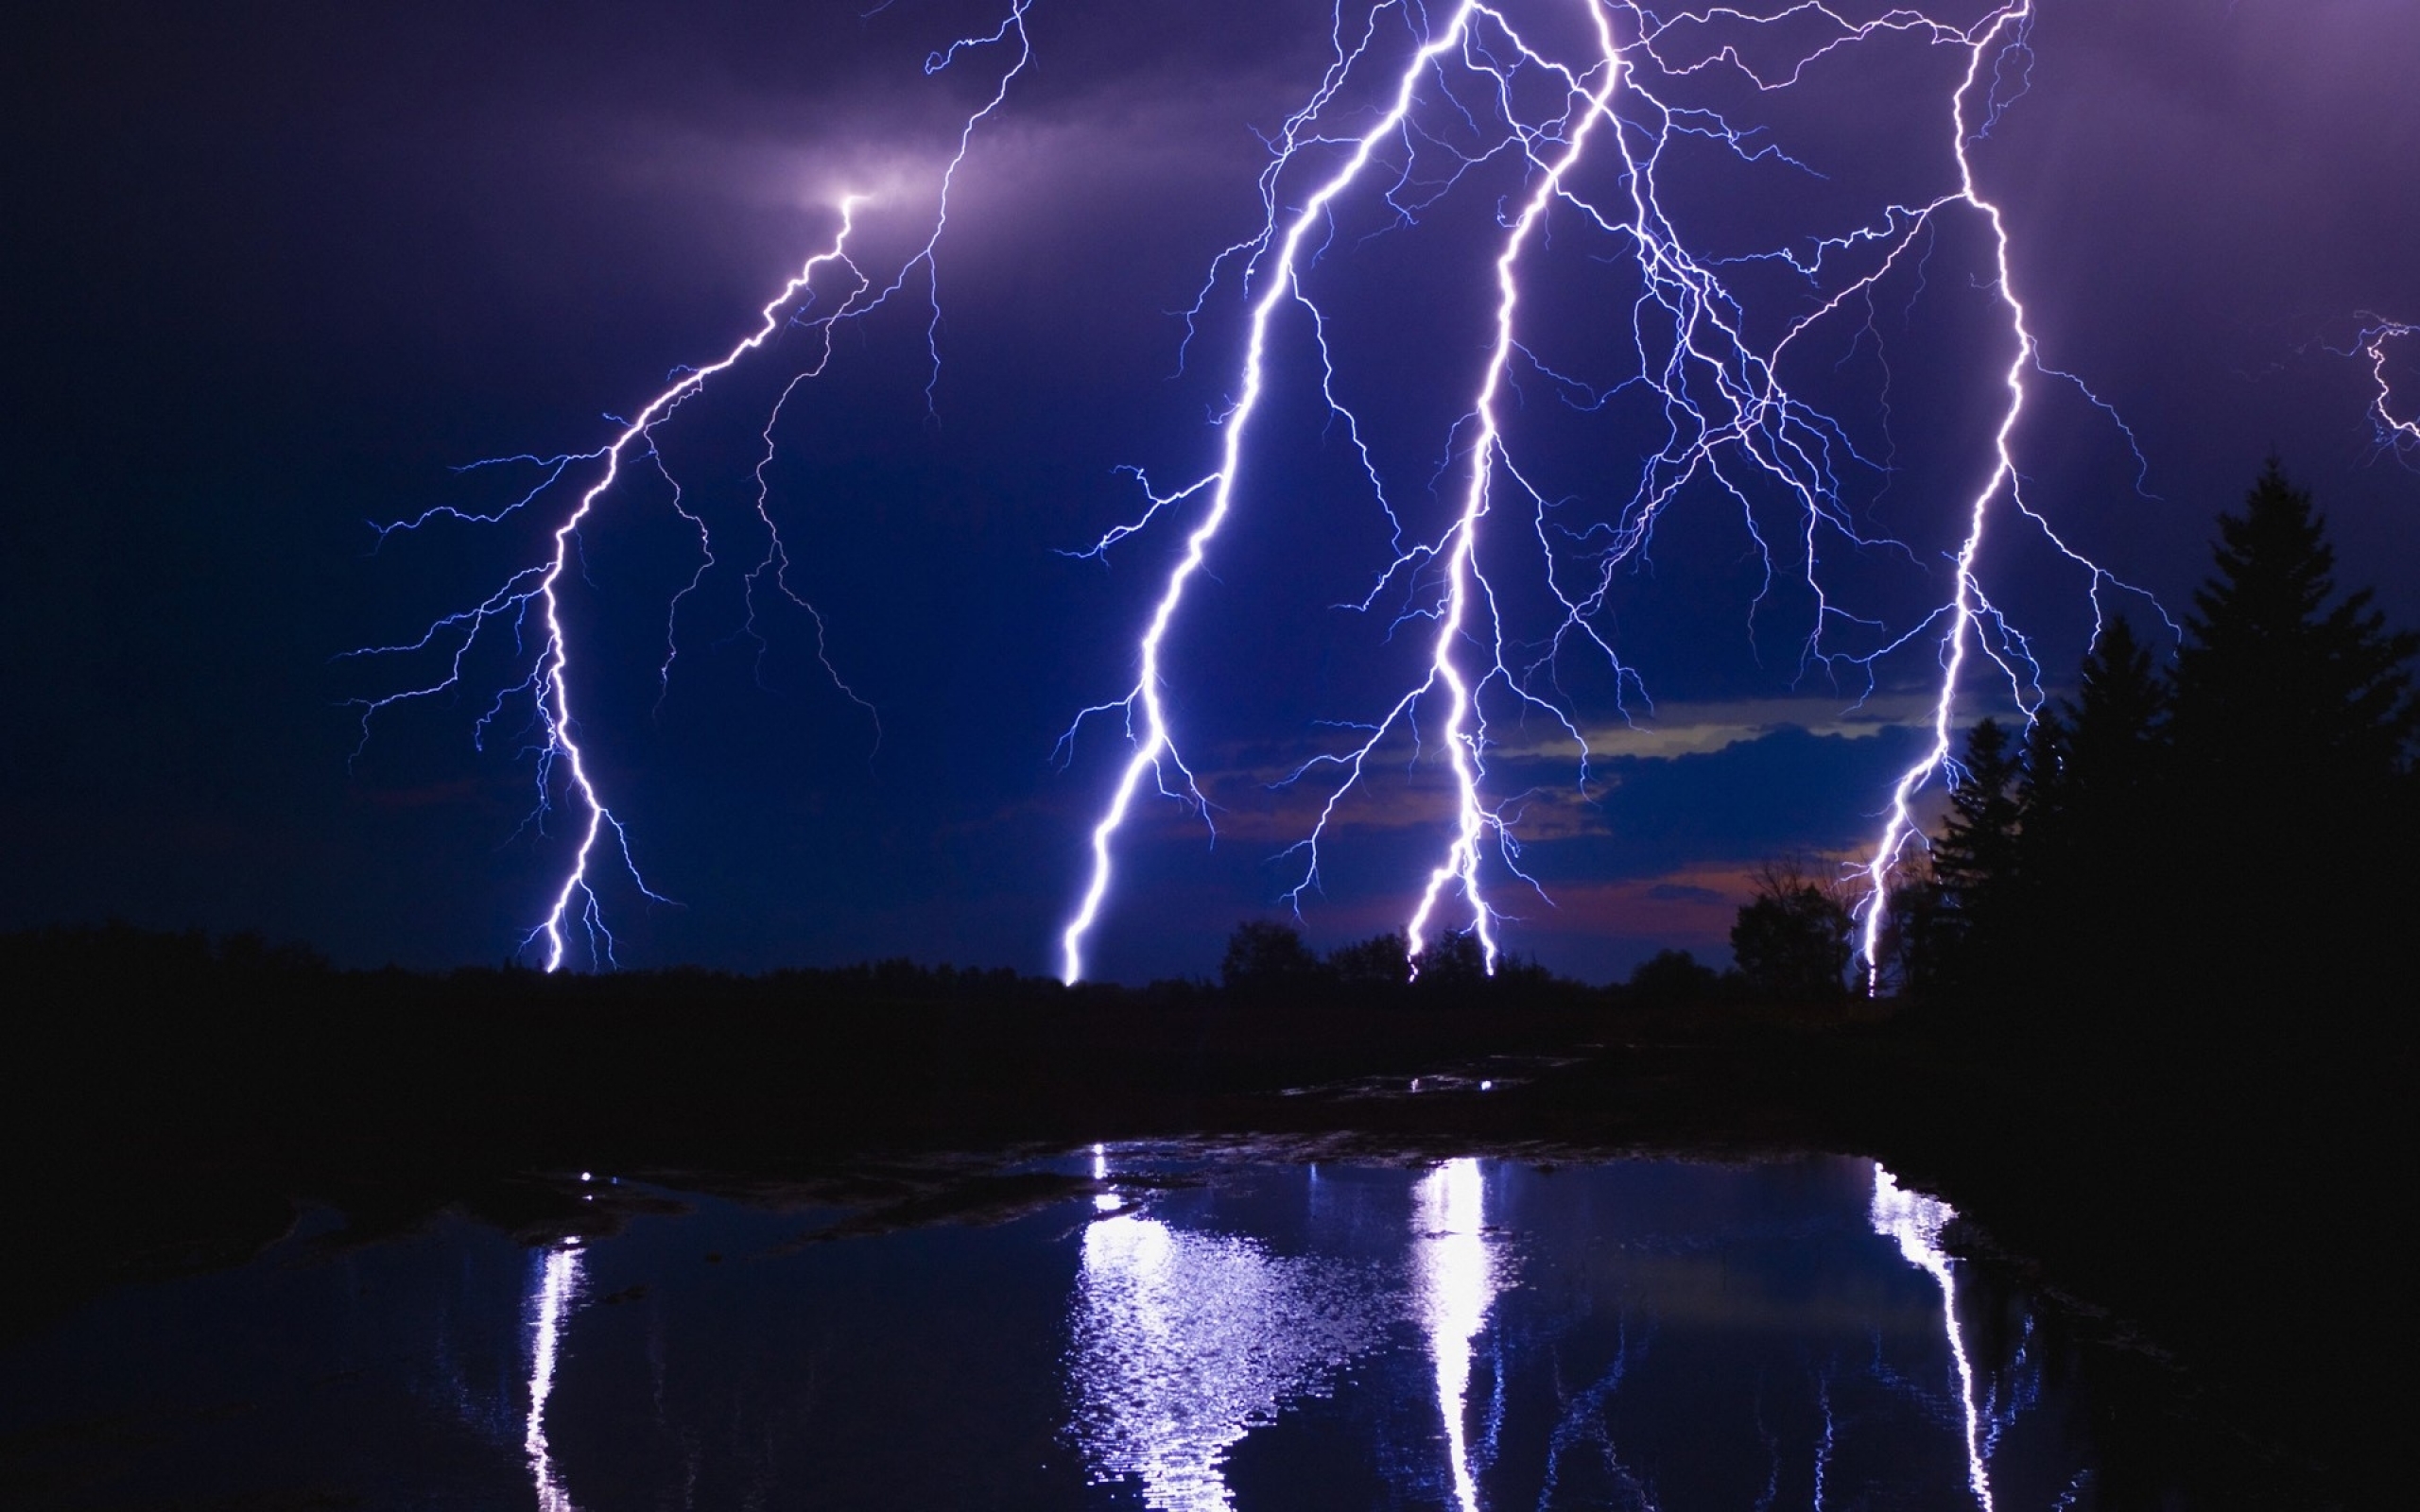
(1915, 1222)
(2023, 1379)
(557, 1292)
(1186, 1342)
(1587, 1421)
(1456, 1279)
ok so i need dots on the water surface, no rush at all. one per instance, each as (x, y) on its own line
(1187, 1334)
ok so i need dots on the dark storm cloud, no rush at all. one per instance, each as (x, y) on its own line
(2203, 197)
(2270, 118)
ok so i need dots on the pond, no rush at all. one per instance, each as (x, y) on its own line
(1172, 1329)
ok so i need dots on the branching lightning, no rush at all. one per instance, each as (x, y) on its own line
(2399, 434)
(1732, 424)
(531, 593)
(1596, 111)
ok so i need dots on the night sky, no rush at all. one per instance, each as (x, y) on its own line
(277, 270)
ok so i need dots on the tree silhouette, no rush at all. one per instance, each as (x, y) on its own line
(1910, 958)
(2097, 815)
(1976, 867)
(2292, 725)
(1378, 961)
(2113, 759)
(2176, 861)
(1672, 978)
(1791, 941)
(2273, 683)
(1453, 962)
(1265, 957)
(1977, 854)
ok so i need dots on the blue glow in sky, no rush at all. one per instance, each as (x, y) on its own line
(288, 270)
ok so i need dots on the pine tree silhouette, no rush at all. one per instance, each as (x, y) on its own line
(2292, 804)
(2277, 685)
(2095, 819)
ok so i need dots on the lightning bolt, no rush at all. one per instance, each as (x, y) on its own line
(1731, 424)
(532, 594)
(1152, 746)
(2398, 434)
(1596, 121)
(1969, 619)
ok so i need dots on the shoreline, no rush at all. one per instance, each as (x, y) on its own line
(2175, 1208)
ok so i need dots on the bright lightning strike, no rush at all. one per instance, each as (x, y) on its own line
(1970, 612)
(1600, 129)
(1154, 747)
(1577, 123)
(531, 594)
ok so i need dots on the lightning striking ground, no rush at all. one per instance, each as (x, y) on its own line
(1732, 425)
(1153, 745)
(1596, 111)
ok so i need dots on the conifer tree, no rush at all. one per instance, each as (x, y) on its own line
(1974, 863)
(2277, 684)
(1975, 857)
(2097, 818)
(2292, 726)
(2113, 759)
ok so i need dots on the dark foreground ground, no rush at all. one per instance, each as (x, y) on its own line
(2223, 1212)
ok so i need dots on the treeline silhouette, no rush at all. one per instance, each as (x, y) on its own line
(2184, 854)
(174, 1098)
(2160, 966)
(2214, 847)
(2147, 1019)
(134, 1040)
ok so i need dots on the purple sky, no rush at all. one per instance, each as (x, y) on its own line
(280, 268)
